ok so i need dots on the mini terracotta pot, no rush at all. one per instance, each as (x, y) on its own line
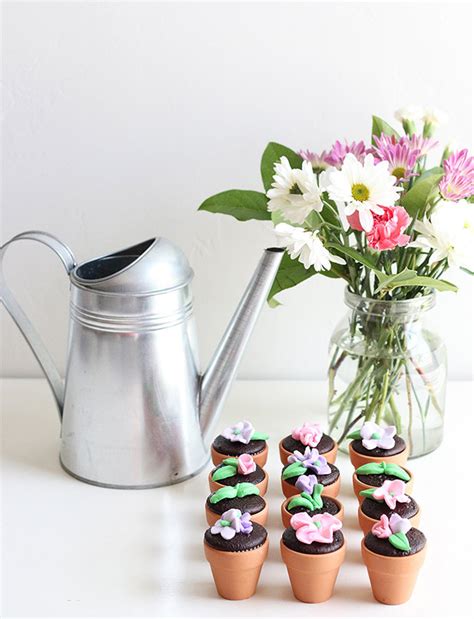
(332, 490)
(260, 458)
(286, 515)
(392, 578)
(330, 455)
(260, 517)
(358, 486)
(236, 574)
(312, 577)
(262, 486)
(367, 523)
(358, 459)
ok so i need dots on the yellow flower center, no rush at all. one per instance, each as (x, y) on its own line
(398, 173)
(360, 192)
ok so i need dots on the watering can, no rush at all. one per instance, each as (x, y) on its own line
(134, 408)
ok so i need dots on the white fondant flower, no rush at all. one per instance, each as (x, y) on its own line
(374, 436)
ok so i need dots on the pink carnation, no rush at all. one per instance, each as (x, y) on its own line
(309, 434)
(388, 229)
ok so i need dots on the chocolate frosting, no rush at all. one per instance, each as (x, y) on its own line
(329, 506)
(236, 448)
(315, 548)
(375, 480)
(325, 444)
(383, 547)
(252, 478)
(375, 509)
(325, 480)
(378, 452)
(239, 542)
(253, 503)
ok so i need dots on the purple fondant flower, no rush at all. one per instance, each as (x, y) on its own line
(373, 436)
(241, 432)
(306, 483)
(231, 522)
(311, 460)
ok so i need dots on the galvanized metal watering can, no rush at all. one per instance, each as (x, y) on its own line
(135, 410)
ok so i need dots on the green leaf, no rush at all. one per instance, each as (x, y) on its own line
(400, 541)
(367, 493)
(379, 126)
(354, 435)
(420, 280)
(366, 260)
(386, 282)
(232, 461)
(260, 436)
(226, 492)
(371, 468)
(295, 469)
(246, 489)
(289, 274)
(242, 204)
(467, 271)
(416, 198)
(224, 472)
(300, 501)
(271, 155)
(396, 471)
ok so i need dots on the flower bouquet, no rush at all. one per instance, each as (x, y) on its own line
(389, 218)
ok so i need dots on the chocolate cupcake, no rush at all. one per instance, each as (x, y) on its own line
(388, 499)
(373, 475)
(239, 439)
(307, 463)
(244, 496)
(236, 549)
(373, 443)
(308, 435)
(310, 500)
(393, 552)
(313, 550)
(233, 471)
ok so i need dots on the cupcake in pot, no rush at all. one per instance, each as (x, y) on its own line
(308, 435)
(310, 500)
(373, 475)
(310, 462)
(237, 470)
(389, 499)
(373, 443)
(393, 552)
(241, 438)
(245, 497)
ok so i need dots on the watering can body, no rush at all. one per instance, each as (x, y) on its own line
(135, 410)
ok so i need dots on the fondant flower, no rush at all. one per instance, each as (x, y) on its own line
(318, 528)
(312, 460)
(382, 528)
(374, 436)
(306, 483)
(392, 492)
(308, 434)
(246, 464)
(385, 527)
(231, 522)
(399, 524)
(241, 432)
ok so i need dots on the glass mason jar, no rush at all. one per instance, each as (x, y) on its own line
(387, 366)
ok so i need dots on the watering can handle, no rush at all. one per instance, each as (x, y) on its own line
(29, 333)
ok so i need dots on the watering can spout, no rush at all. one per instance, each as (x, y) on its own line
(216, 380)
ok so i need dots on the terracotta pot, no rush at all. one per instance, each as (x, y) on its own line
(367, 523)
(312, 577)
(260, 458)
(358, 459)
(262, 486)
(392, 578)
(358, 486)
(260, 517)
(285, 514)
(236, 574)
(329, 455)
(332, 490)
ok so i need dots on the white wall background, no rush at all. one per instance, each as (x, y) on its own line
(122, 117)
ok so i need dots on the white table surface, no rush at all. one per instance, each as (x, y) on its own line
(71, 549)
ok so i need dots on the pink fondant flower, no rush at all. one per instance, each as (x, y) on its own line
(382, 528)
(386, 527)
(246, 464)
(399, 524)
(374, 436)
(458, 180)
(318, 528)
(388, 229)
(241, 431)
(308, 434)
(392, 492)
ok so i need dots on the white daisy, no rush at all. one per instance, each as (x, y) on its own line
(307, 247)
(294, 192)
(450, 232)
(362, 187)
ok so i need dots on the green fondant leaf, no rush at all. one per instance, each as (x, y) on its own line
(371, 468)
(367, 493)
(354, 435)
(317, 491)
(396, 471)
(301, 501)
(260, 436)
(295, 469)
(400, 541)
(246, 489)
(226, 492)
(231, 461)
(224, 472)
